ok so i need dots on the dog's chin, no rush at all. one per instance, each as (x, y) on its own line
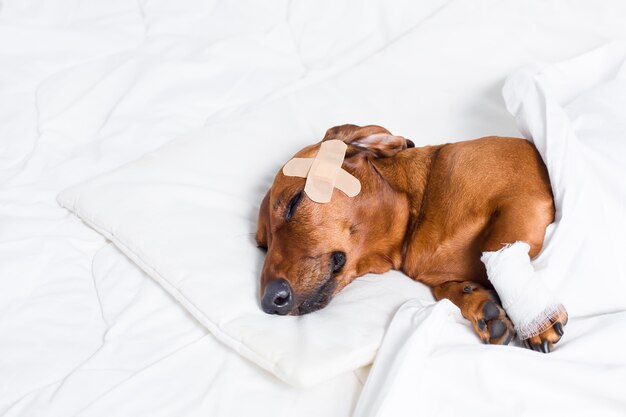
(317, 300)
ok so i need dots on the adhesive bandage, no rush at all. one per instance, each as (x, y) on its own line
(324, 173)
(527, 301)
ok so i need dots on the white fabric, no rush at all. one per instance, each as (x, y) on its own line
(155, 359)
(575, 112)
(86, 86)
(527, 301)
(430, 364)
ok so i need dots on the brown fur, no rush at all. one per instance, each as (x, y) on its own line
(427, 211)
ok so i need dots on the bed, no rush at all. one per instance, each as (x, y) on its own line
(90, 86)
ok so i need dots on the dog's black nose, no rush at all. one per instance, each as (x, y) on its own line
(277, 297)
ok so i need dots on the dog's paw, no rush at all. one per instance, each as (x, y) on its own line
(491, 323)
(545, 341)
(481, 307)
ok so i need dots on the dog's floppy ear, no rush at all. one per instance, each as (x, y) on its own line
(263, 223)
(372, 138)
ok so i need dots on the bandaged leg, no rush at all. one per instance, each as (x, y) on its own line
(530, 305)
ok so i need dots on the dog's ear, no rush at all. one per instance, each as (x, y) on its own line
(372, 138)
(263, 223)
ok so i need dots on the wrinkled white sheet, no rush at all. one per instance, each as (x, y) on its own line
(154, 359)
(575, 112)
(86, 86)
(430, 364)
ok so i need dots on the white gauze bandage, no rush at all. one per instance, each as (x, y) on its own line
(527, 301)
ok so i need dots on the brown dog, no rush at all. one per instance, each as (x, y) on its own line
(429, 212)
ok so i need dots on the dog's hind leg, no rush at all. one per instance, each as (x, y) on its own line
(481, 307)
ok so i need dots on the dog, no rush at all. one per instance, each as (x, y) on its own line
(428, 211)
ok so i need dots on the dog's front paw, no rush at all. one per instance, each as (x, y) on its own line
(481, 307)
(546, 339)
(491, 323)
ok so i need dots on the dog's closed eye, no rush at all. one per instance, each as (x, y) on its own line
(291, 207)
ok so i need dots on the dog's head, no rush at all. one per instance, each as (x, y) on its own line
(313, 249)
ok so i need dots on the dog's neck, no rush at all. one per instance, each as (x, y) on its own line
(408, 173)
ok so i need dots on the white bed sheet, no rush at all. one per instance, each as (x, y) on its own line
(155, 359)
(430, 364)
(87, 86)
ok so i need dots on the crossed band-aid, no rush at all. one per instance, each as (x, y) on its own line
(324, 172)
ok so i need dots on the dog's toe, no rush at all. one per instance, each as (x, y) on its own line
(558, 328)
(545, 341)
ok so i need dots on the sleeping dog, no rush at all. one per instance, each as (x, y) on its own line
(429, 212)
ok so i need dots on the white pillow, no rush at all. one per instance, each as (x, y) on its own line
(186, 214)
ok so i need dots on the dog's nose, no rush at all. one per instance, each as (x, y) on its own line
(277, 298)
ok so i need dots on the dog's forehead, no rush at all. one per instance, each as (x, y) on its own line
(283, 182)
(284, 188)
(286, 185)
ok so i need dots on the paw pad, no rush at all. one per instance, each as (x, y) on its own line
(490, 310)
(496, 329)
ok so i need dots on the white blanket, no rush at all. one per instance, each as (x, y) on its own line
(575, 112)
(430, 364)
